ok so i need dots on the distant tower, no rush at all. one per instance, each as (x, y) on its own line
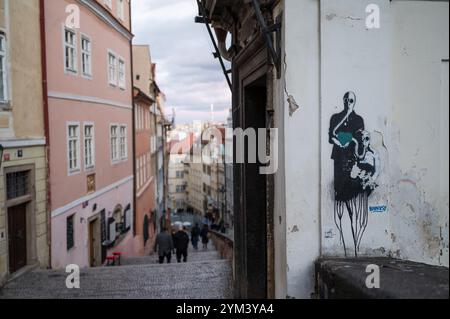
(173, 116)
(212, 113)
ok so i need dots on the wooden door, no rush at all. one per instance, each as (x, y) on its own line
(94, 244)
(17, 237)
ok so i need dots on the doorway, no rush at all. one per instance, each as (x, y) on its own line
(255, 203)
(17, 237)
(253, 200)
(21, 218)
(95, 245)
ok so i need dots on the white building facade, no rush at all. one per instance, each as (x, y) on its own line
(360, 101)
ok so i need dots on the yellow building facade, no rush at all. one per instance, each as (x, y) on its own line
(24, 241)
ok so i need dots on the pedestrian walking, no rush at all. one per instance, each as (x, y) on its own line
(181, 244)
(173, 232)
(195, 236)
(164, 246)
(204, 234)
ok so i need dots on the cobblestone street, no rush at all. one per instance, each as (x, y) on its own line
(205, 276)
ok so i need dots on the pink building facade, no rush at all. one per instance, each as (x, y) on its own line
(88, 54)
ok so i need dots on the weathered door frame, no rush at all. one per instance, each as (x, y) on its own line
(30, 201)
(248, 66)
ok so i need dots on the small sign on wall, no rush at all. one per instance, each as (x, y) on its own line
(378, 209)
(91, 183)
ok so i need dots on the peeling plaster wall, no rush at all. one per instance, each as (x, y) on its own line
(356, 59)
(420, 132)
(302, 146)
(280, 190)
(400, 76)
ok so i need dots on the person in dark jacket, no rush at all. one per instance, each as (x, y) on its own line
(195, 236)
(204, 235)
(164, 246)
(181, 244)
(173, 238)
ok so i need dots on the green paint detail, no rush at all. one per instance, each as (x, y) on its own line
(345, 138)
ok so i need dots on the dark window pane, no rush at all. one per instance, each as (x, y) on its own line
(17, 184)
(70, 233)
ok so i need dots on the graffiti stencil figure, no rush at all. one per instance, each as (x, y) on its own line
(356, 168)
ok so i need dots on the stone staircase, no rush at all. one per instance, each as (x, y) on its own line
(205, 276)
(193, 256)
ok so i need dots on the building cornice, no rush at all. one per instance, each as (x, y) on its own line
(23, 142)
(88, 99)
(107, 17)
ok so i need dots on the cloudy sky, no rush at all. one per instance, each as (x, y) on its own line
(186, 70)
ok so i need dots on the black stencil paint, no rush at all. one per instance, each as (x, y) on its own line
(356, 168)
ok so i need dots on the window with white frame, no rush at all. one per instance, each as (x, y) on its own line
(138, 180)
(120, 9)
(138, 117)
(141, 171)
(3, 78)
(123, 142)
(70, 50)
(112, 68)
(73, 141)
(148, 167)
(114, 143)
(121, 74)
(86, 56)
(89, 147)
(145, 168)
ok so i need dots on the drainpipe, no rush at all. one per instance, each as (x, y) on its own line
(133, 120)
(46, 123)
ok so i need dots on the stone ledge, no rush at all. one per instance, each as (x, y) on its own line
(346, 279)
(223, 244)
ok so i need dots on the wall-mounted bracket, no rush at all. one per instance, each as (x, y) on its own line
(275, 53)
(203, 18)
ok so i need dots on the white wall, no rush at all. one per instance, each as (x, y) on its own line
(420, 131)
(401, 85)
(356, 59)
(302, 146)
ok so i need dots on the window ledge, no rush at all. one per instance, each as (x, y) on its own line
(71, 72)
(87, 77)
(5, 106)
(119, 161)
(74, 172)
